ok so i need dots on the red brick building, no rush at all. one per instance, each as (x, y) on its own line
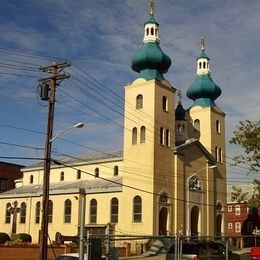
(241, 222)
(8, 174)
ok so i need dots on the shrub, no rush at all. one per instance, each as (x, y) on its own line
(25, 238)
(4, 237)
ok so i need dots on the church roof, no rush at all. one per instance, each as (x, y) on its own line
(96, 185)
(180, 112)
(151, 20)
(203, 55)
(86, 159)
(193, 141)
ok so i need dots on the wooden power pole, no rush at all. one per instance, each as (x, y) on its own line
(48, 89)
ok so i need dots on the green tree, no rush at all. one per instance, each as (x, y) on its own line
(254, 201)
(247, 136)
(237, 195)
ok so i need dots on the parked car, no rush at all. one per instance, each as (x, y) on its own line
(255, 252)
(73, 256)
(197, 250)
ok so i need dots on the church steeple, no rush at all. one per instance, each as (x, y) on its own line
(203, 60)
(180, 122)
(150, 61)
(203, 90)
(151, 27)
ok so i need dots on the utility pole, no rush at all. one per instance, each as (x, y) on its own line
(48, 91)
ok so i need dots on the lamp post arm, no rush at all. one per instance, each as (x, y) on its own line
(78, 125)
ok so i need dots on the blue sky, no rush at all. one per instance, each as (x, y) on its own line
(99, 39)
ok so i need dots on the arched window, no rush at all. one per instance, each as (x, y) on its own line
(50, 211)
(204, 65)
(216, 153)
(137, 209)
(200, 65)
(147, 31)
(156, 32)
(23, 213)
(161, 136)
(220, 155)
(8, 213)
(37, 212)
(93, 211)
(97, 172)
(114, 211)
(142, 135)
(165, 103)
(167, 138)
(78, 174)
(139, 101)
(62, 176)
(31, 179)
(197, 124)
(134, 135)
(218, 127)
(152, 31)
(116, 170)
(67, 211)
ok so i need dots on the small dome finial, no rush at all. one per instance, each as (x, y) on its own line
(179, 93)
(151, 7)
(202, 43)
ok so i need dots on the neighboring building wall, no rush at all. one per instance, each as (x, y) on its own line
(8, 174)
(241, 219)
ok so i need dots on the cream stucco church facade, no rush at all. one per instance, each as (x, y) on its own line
(170, 177)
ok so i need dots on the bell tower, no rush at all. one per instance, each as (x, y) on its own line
(207, 124)
(149, 131)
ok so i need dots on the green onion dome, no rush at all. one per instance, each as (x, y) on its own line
(203, 90)
(150, 61)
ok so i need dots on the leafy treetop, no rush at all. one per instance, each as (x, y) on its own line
(247, 136)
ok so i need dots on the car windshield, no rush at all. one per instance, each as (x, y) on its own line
(200, 248)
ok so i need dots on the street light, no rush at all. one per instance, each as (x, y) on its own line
(78, 125)
(196, 186)
(46, 185)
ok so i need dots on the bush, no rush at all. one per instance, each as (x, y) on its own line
(4, 237)
(25, 238)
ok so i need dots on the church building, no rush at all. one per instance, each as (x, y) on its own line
(169, 179)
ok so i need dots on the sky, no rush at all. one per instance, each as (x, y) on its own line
(98, 38)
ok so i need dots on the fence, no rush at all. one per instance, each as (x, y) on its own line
(124, 246)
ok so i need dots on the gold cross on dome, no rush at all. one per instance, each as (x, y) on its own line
(202, 43)
(151, 7)
(179, 93)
